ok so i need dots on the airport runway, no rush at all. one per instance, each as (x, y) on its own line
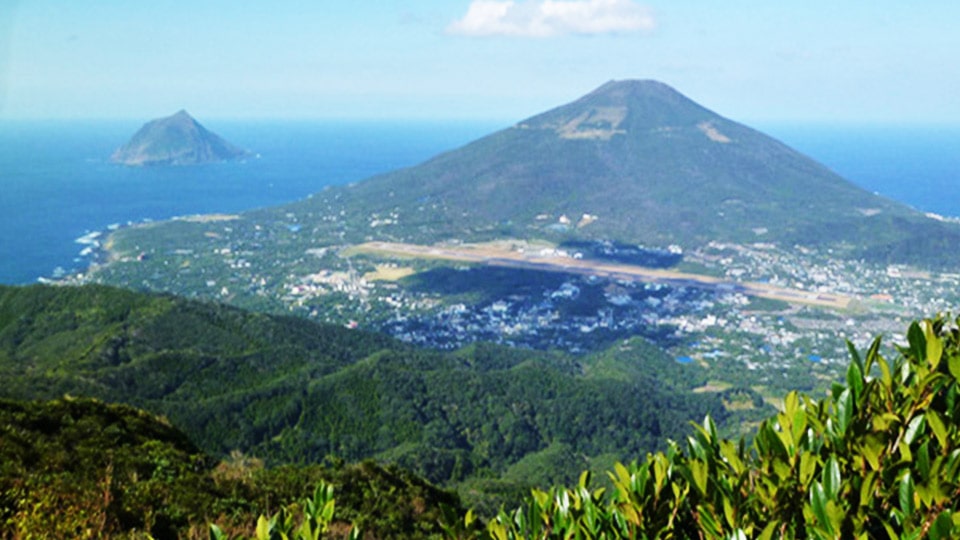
(495, 256)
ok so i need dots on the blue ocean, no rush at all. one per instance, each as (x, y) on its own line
(914, 164)
(57, 185)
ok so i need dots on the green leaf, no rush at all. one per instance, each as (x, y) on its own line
(881, 422)
(698, 473)
(855, 355)
(906, 370)
(917, 341)
(845, 406)
(906, 455)
(327, 515)
(808, 465)
(906, 495)
(497, 530)
(728, 451)
(711, 428)
(818, 500)
(216, 533)
(914, 428)
(934, 345)
(799, 426)
(791, 403)
(885, 375)
(729, 512)
(307, 532)
(867, 488)
(873, 355)
(923, 460)
(771, 440)
(622, 478)
(871, 449)
(953, 363)
(584, 479)
(952, 465)
(939, 430)
(263, 528)
(831, 478)
(709, 522)
(942, 527)
(769, 530)
(855, 380)
(836, 515)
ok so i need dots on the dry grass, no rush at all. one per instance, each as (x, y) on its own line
(389, 272)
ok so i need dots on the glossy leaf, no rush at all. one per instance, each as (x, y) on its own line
(818, 500)
(845, 406)
(906, 494)
(953, 364)
(914, 428)
(917, 341)
(855, 380)
(943, 527)
(699, 473)
(831, 478)
(937, 426)
(934, 348)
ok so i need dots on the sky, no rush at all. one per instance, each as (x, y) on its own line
(851, 61)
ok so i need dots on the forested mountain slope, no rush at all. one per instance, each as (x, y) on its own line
(289, 390)
(80, 468)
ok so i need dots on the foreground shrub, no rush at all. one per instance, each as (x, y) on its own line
(878, 458)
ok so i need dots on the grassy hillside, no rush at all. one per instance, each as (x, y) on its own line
(291, 391)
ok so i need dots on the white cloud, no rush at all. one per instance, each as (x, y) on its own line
(547, 18)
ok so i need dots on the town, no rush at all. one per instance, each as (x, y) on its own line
(742, 337)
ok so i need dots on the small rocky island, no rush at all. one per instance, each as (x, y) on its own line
(175, 140)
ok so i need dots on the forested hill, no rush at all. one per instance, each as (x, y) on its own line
(79, 468)
(877, 458)
(289, 390)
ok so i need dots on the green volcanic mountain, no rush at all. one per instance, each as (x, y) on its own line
(635, 161)
(175, 140)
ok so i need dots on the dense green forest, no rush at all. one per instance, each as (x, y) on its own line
(80, 468)
(489, 420)
(879, 458)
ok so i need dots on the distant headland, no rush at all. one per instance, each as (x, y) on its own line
(175, 140)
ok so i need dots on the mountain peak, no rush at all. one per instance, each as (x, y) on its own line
(177, 139)
(622, 107)
(623, 89)
(641, 163)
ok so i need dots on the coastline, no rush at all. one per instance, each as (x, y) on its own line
(101, 252)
